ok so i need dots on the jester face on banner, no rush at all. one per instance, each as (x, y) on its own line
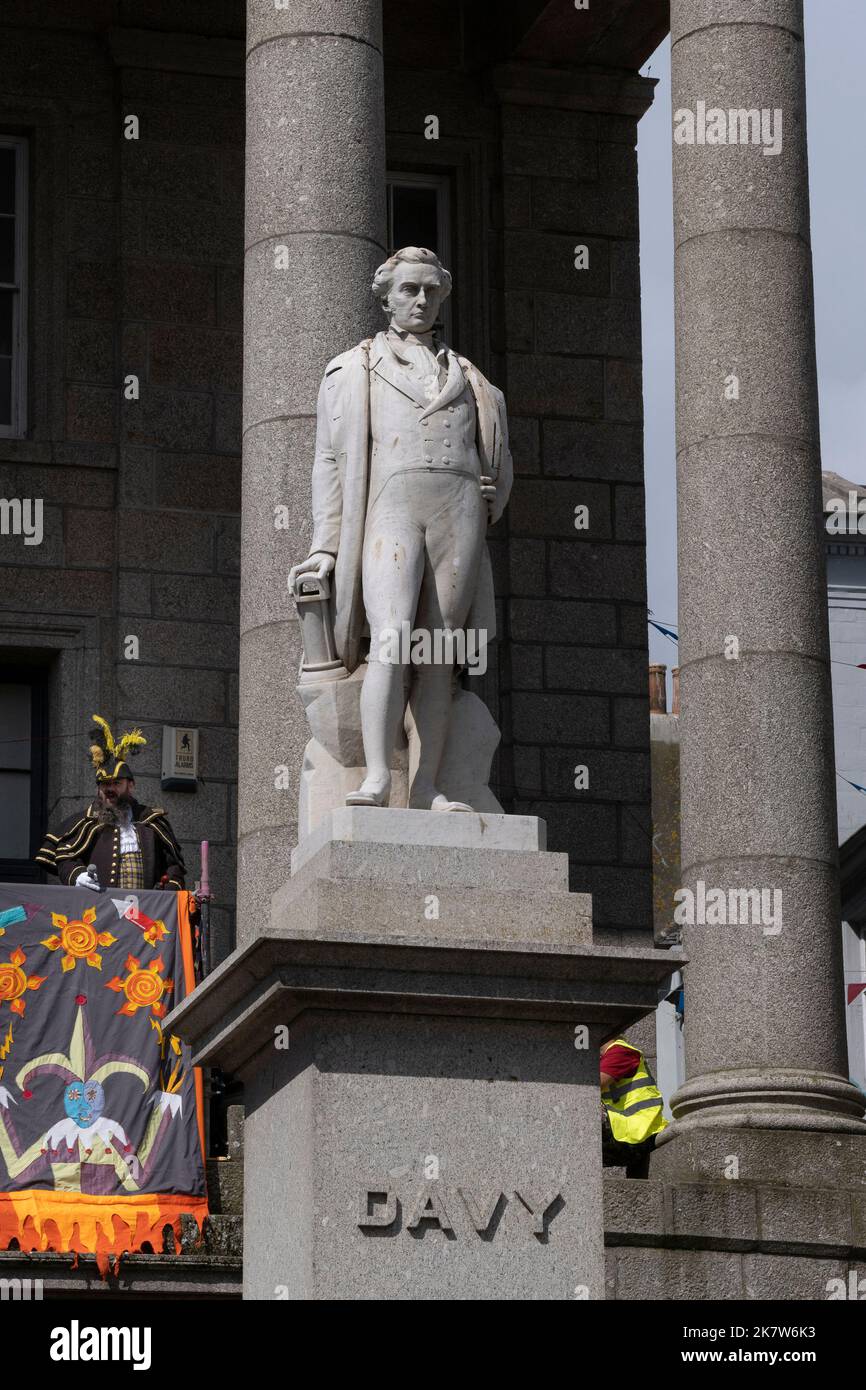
(98, 1103)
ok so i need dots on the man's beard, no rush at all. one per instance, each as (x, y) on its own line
(109, 814)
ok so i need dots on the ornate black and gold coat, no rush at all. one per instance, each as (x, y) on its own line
(84, 839)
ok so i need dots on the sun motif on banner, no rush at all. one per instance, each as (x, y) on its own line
(143, 988)
(79, 939)
(14, 981)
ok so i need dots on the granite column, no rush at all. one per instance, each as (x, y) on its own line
(765, 1029)
(315, 231)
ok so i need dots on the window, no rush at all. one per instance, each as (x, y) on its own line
(13, 286)
(418, 215)
(23, 720)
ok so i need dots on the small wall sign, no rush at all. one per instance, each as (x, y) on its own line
(179, 759)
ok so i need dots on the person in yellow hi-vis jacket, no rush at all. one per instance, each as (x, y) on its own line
(633, 1107)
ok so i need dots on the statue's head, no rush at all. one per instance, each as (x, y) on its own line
(411, 286)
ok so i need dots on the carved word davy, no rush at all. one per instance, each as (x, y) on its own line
(379, 1209)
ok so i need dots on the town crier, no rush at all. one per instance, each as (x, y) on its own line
(116, 842)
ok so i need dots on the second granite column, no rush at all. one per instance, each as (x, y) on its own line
(764, 1004)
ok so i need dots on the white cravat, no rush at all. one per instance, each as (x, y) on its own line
(128, 834)
(422, 361)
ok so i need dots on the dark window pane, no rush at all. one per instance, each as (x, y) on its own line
(14, 726)
(5, 391)
(415, 220)
(6, 322)
(7, 249)
(7, 180)
(14, 815)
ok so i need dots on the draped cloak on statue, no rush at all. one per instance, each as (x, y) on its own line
(341, 478)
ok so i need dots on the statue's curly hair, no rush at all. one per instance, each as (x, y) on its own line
(384, 277)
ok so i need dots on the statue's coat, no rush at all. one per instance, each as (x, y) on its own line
(341, 477)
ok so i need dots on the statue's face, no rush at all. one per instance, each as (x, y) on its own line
(415, 296)
(84, 1102)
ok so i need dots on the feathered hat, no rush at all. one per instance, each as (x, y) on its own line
(109, 756)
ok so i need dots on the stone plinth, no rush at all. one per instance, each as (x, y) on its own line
(361, 825)
(422, 1119)
(334, 756)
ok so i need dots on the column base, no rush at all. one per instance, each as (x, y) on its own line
(768, 1098)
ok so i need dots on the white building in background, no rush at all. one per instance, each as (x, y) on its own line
(846, 599)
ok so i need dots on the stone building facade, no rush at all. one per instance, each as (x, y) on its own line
(200, 195)
(127, 122)
(135, 269)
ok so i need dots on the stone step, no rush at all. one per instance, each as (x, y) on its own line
(736, 1212)
(431, 914)
(732, 1239)
(435, 866)
(405, 829)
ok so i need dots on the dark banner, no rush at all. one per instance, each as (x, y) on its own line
(101, 1114)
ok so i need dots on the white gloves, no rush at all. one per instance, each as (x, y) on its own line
(87, 880)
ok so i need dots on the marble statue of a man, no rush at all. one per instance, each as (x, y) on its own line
(411, 467)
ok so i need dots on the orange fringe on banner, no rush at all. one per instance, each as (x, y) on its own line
(70, 1221)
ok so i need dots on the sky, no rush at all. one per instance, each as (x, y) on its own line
(835, 43)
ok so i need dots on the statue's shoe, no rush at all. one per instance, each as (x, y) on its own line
(427, 798)
(372, 792)
(441, 803)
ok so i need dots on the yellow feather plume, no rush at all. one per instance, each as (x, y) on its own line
(109, 740)
(134, 739)
(97, 756)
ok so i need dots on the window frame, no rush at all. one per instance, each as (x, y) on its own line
(35, 677)
(17, 428)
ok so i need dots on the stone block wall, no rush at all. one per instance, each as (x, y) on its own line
(576, 726)
(181, 195)
(136, 271)
(57, 597)
(731, 1240)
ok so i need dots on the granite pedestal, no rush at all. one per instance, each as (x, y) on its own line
(422, 1115)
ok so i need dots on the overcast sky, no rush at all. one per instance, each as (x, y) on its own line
(835, 44)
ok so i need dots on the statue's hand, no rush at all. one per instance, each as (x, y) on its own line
(488, 492)
(319, 563)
